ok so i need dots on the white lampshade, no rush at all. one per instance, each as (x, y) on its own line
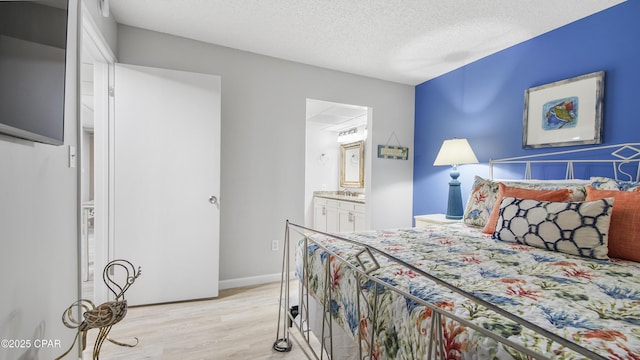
(455, 152)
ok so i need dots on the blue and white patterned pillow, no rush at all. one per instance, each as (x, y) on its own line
(484, 193)
(605, 183)
(577, 228)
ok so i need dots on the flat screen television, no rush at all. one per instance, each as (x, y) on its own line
(33, 43)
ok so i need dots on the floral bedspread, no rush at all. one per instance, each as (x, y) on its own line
(595, 304)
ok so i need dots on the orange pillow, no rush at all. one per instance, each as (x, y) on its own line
(521, 193)
(624, 231)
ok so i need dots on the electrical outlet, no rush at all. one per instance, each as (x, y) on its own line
(274, 245)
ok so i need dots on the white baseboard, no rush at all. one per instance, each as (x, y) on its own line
(253, 280)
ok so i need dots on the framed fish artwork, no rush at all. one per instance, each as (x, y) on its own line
(564, 113)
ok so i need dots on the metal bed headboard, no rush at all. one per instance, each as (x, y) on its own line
(616, 155)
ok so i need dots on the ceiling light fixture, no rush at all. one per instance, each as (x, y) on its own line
(350, 135)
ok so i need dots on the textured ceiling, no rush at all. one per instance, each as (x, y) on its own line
(404, 41)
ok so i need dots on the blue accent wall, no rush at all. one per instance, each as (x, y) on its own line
(484, 100)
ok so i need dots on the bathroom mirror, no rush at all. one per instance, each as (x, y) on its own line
(352, 164)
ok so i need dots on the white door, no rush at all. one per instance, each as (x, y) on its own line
(167, 181)
(320, 215)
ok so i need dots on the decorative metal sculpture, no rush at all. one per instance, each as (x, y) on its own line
(104, 316)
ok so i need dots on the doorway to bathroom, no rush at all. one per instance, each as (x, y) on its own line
(328, 126)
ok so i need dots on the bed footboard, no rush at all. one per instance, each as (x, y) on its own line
(437, 322)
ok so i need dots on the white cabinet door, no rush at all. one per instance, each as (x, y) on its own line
(358, 221)
(167, 181)
(320, 214)
(346, 223)
(325, 214)
(351, 216)
(332, 216)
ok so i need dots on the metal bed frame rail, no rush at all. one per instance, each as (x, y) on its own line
(615, 155)
(364, 265)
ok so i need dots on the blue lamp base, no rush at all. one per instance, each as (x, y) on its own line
(454, 207)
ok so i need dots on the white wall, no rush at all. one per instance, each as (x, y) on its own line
(320, 175)
(39, 229)
(263, 141)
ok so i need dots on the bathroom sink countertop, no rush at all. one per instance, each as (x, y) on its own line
(340, 195)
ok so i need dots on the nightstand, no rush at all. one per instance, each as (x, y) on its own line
(430, 219)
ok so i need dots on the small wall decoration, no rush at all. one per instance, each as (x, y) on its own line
(564, 113)
(393, 152)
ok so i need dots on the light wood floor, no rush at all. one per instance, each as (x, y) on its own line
(239, 324)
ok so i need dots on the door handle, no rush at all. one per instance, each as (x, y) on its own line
(213, 200)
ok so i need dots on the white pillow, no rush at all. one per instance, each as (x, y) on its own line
(577, 228)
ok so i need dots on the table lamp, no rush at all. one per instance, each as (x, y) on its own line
(455, 152)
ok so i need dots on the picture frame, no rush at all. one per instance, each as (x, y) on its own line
(564, 113)
(352, 164)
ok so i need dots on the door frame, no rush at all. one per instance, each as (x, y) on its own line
(311, 158)
(104, 63)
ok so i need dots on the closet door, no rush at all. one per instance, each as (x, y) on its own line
(167, 181)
